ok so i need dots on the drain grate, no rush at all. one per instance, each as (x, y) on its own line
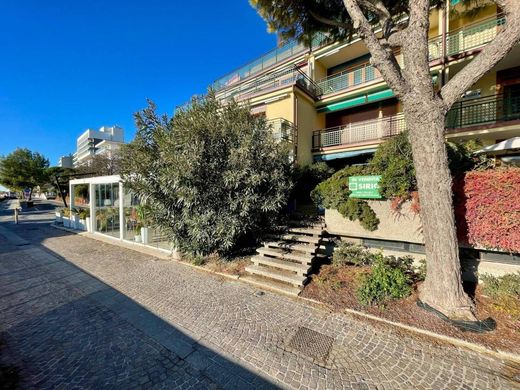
(311, 343)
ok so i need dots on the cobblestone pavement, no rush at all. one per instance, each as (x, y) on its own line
(76, 312)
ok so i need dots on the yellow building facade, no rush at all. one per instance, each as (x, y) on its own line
(334, 106)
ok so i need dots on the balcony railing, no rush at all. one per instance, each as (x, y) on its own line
(466, 113)
(458, 41)
(283, 130)
(485, 110)
(282, 78)
(358, 132)
(352, 77)
(273, 57)
(468, 37)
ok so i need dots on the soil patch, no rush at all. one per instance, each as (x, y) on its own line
(336, 287)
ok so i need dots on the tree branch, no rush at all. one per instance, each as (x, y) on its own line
(490, 56)
(382, 58)
(328, 21)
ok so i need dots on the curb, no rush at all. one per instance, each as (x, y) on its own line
(503, 355)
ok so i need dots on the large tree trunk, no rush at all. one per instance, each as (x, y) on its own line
(442, 288)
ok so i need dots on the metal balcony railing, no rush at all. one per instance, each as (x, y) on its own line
(285, 77)
(458, 41)
(273, 57)
(283, 130)
(467, 38)
(357, 132)
(485, 110)
(352, 77)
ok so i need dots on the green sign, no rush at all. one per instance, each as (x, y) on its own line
(364, 187)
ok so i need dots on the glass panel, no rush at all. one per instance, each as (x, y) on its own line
(107, 209)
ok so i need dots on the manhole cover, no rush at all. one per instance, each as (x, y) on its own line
(311, 343)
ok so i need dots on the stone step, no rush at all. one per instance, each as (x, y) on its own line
(308, 231)
(298, 238)
(300, 269)
(283, 276)
(273, 285)
(307, 248)
(303, 258)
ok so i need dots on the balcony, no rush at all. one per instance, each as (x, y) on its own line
(350, 78)
(483, 111)
(359, 132)
(457, 41)
(279, 79)
(266, 61)
(283, 130)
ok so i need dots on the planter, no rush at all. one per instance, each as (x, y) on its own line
(58, 217)
(82, 225)
(88, 227)
(137, 238)
(74, 222)
(66, 221)
(144, 235)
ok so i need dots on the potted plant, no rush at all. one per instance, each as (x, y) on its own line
(58, 216)
(138, 230)
(66, 217)
(143, 213)
(74, 219)
(84, 219)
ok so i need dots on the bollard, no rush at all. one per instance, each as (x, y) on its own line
(16, 215)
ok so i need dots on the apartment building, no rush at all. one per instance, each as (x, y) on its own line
(66, 161)
(335, 107)
(104, 141)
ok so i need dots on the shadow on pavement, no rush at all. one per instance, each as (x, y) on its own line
(61, 326)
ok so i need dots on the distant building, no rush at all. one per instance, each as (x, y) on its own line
(66, 161)
(95, 142)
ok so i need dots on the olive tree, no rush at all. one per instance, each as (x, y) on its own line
(212, 174)
(388, 26)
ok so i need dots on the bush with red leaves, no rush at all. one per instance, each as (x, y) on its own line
(487, 209)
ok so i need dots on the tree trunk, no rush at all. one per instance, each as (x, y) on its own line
(442, 288)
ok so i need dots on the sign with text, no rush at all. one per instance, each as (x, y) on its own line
(364, 187)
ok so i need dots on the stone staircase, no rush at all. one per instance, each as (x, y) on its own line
(284, 264)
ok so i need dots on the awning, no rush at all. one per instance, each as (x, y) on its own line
(358, 100)
(335, 156)
(502, 147)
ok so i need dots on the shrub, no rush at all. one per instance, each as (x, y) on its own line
(347, 253)
(393, 160)
(487, 208)
(384, 282)
(308, 177)
(505, 291)
(65, 211)
(212, 175)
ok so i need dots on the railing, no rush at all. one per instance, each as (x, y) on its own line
(457, 41)
(283, 129)
(359, 132)
(282, 78)
(352, 77)
(467, 37)
(485, 110)
(267, 60)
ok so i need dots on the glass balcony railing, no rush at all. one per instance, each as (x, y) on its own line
(282, 78)
(485, 110)
(359, 132)
(273, 57)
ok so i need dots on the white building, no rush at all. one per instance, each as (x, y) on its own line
(66, 161)
(92, 142)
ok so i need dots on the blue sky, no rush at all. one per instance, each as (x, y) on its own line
(69, 65)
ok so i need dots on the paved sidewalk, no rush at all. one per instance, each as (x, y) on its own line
(77, 312)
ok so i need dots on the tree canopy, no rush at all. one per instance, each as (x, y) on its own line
(23, 169)
(212, 174)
